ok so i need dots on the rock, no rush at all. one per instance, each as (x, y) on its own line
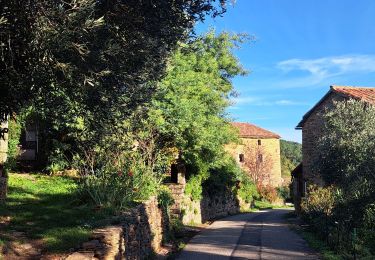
(91, 245)
(81, 256)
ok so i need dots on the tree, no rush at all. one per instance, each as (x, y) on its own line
(188, 109)
(291, 156)
(347, 156)
(86, 65)
(258, 163)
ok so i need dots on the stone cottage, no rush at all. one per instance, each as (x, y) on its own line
(311, 124)
(258, 150)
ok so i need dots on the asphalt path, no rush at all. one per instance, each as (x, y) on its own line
(259, 235)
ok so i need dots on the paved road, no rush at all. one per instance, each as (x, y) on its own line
(260, 235)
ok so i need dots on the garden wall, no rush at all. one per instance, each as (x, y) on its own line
(209, 208)
(139, 234)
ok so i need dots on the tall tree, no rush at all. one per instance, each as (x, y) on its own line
(89, 62)
(347, 157)
(191, 100)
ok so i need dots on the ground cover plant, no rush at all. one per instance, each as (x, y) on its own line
(47, 208)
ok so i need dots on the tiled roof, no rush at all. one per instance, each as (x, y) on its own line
(364, 94)
(253, 131)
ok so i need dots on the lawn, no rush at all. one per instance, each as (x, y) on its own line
(47, 208)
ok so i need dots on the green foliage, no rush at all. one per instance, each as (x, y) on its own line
(165, 198)
(190, 102)
(115, 180)
(90, 55)
(14, 135)
(346, 161)
(291, 150)
(48, 208)
(247, 190)
(291, 156)
(319, 202)
(268, 193)
(194, 188)
(283, 192)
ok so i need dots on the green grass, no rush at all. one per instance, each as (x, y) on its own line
(319, 245)
(48, 208)
(313, 240)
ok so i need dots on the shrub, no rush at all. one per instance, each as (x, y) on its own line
(193, 187)
(247, 190)
(112, 181)
(268, 193)
(165, 198)
(283, 192)
(13, 142)
(318, 201)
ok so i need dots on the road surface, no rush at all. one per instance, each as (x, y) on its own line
(259, 235)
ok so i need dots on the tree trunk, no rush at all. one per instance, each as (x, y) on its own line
(3, 157)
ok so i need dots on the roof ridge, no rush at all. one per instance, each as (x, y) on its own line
(334, 87)
(253, 132)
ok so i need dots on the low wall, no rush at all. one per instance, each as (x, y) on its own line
(209, 208)
(138, 236)
(145, 230)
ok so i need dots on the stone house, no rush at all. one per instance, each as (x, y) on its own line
(261, 147)
(3, 140)
(311, 124)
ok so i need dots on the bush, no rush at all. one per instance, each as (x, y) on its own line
(318, 201)
(283, 192)
(165, 198)
(268, 193)
(193, 187)
(112, 181)
(247, 190)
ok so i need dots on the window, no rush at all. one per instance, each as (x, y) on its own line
(242, 157)
(259, 142)
(260, 158)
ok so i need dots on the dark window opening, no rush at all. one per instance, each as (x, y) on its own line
(174, 173)
(260, 158)
(242, 157)
(259, 142)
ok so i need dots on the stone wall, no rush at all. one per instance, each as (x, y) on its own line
(138, 236)
(144, 230)
(210, 208)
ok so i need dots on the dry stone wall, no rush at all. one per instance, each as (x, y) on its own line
(139, 235)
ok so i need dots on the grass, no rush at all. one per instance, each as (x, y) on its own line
(313, 240)
(47, 208)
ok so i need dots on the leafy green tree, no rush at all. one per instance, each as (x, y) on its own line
(347, 147)
(291, 156)
(189, 106)
(291, 150)
(86, 65)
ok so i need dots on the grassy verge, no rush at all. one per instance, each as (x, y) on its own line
(47, 208)
(312, 239)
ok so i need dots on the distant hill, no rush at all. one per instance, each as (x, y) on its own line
(291, 156)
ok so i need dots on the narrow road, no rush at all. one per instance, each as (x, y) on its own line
(260, 235)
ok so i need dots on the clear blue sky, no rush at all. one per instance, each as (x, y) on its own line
(301, 48)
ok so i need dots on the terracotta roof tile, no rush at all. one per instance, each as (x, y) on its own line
(364, 94)
(253, 131)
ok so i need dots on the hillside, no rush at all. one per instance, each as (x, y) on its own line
(291, 156)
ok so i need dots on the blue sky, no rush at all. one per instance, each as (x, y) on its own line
(301, 47)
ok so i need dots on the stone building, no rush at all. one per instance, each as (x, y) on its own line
(261, 147)
(3, 141)
(311, 125)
